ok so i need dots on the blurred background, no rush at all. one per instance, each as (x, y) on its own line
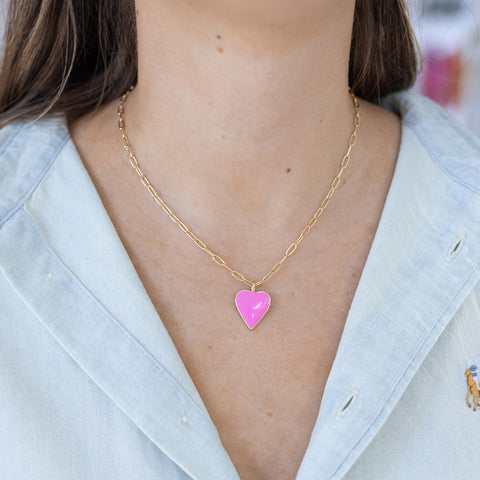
(448, 33)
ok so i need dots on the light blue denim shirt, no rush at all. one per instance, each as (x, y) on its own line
(92, 387)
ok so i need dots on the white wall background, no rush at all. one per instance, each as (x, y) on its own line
(449, 35)
(3, 10)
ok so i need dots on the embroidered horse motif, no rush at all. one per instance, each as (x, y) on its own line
(472, 388)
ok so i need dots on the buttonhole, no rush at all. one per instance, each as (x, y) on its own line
(347, 403)
(456, 247)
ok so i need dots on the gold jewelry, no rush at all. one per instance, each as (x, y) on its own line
(251, 305)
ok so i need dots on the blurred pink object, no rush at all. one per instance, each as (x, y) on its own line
(441, 78)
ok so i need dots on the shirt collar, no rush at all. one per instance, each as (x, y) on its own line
(422, 264)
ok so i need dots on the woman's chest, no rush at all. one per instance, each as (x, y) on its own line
(261, 387)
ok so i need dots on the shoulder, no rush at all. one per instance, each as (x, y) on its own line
(450, 145)
(27, 149)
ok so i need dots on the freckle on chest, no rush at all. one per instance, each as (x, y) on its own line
(219, 49)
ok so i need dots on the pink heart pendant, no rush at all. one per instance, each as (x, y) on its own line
(252, 306)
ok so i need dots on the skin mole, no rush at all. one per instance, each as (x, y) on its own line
(288, 170)
(220, 49)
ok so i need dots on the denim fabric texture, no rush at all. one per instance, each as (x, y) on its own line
(92, 387)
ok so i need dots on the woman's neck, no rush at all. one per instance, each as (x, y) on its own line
(240, 117)
(234, 95)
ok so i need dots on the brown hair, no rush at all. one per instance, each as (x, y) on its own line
(74, 55)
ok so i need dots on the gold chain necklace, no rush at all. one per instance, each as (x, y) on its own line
(251, 305)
